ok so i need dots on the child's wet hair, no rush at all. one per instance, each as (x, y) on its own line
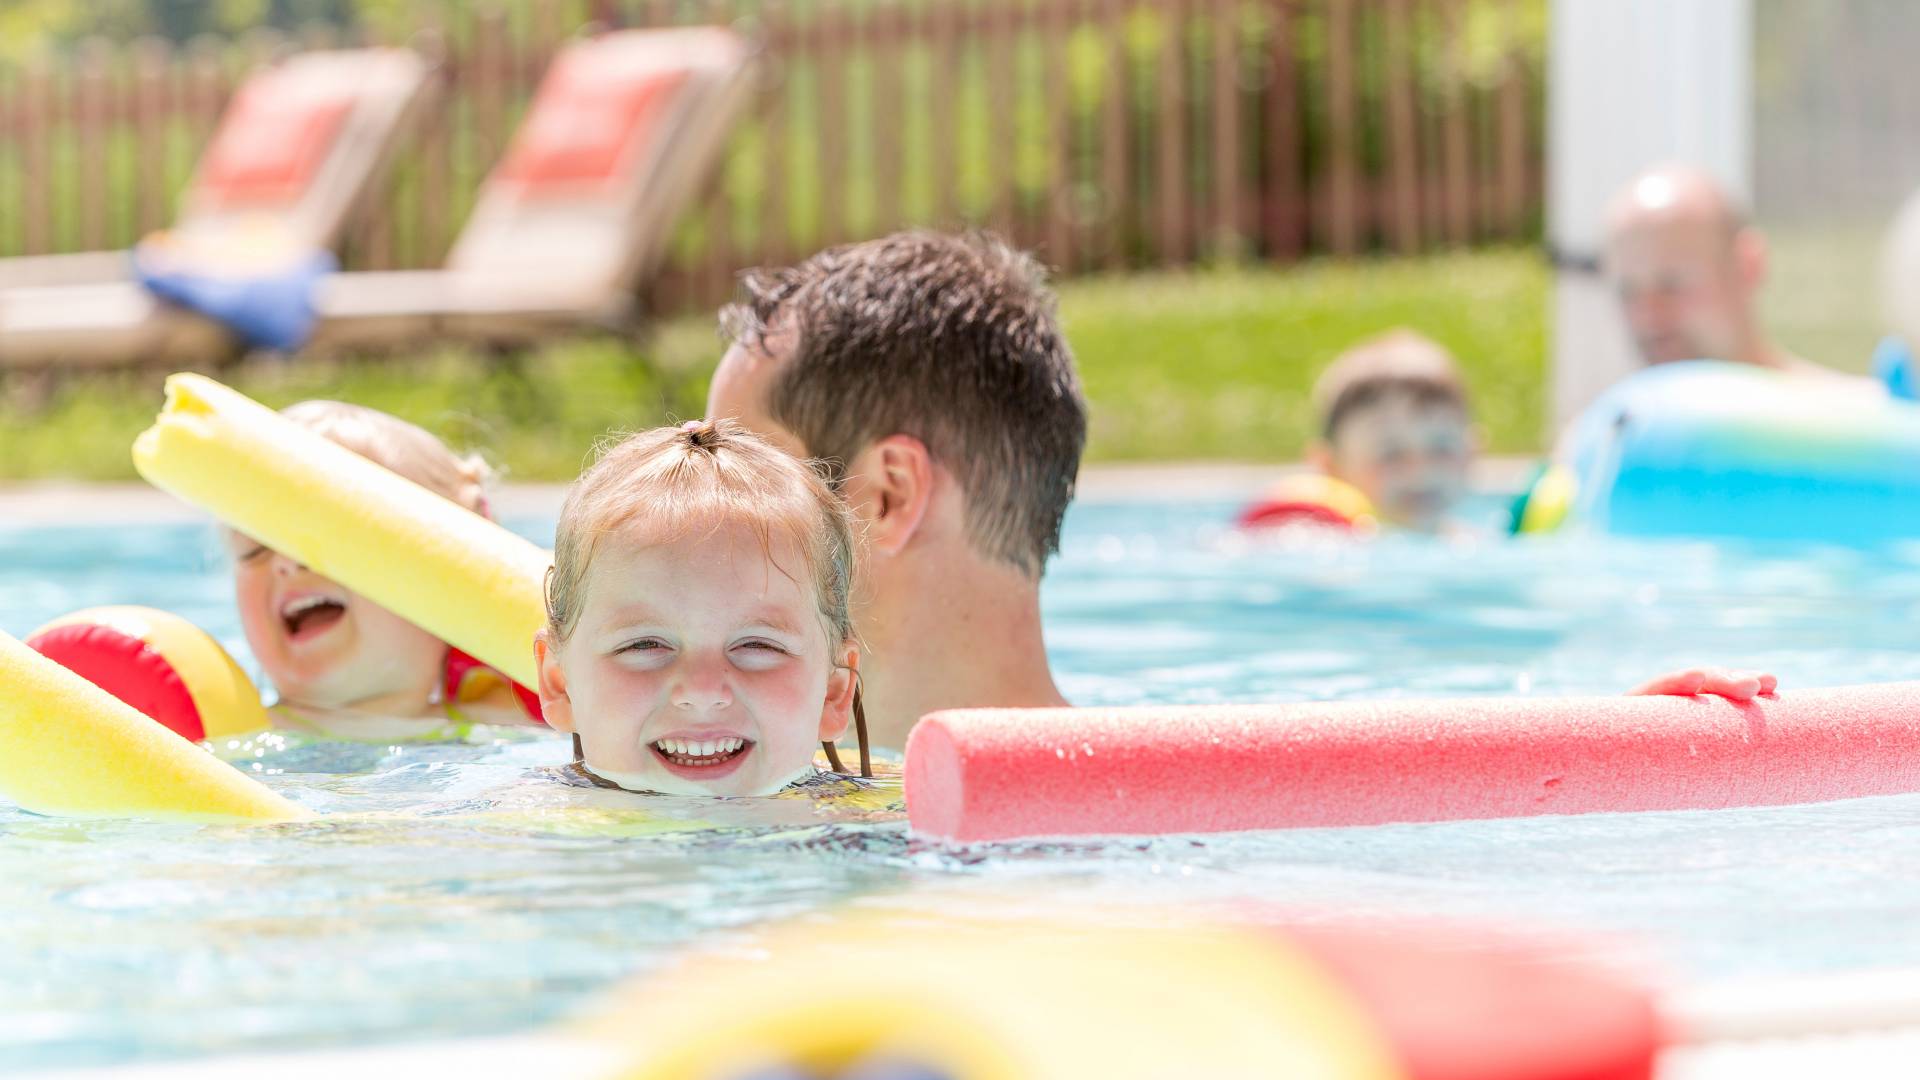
(1399, 363)
(701, 475)
(404, 448)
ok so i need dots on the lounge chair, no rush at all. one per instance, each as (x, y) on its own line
(621, 134)
(296, 154)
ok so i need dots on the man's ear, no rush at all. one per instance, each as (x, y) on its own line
(1750, 251)
(842, 681)
(1320, 456)
(555, 705)
(890, 485)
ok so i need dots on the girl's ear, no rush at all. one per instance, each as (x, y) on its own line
(837, 712)
(555, 705)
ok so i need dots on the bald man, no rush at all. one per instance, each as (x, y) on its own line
(1687, 265)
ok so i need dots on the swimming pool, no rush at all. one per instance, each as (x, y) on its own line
(467, 895)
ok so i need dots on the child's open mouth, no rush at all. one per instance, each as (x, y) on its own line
(310, 616)
(702, 758)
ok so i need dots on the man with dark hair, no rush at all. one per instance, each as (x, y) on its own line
(928, 374)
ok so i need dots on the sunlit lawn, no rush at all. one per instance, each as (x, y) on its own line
(1203, 365)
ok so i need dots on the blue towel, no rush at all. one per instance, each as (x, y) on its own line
(269, 310)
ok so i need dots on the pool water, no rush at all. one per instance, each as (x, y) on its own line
(462, 890)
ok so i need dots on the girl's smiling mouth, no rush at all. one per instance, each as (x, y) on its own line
(707, 758)
(309, 616)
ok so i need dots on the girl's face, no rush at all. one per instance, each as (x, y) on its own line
(325, 647)
(699, 665)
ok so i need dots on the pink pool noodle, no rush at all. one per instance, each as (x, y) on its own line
(998, 774)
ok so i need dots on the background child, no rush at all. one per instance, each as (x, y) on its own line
(1394, 423)
(342, 664)
(699, 636)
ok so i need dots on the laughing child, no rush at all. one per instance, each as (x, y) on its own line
(699, 639)
(341, 664)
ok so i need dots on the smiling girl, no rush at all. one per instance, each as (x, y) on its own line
(699, 639)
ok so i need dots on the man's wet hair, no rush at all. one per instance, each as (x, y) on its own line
(952, 339)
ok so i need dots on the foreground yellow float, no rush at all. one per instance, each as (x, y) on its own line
(993, 1000)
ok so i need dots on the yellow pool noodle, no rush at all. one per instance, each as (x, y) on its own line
(453, 573)
(71, 749)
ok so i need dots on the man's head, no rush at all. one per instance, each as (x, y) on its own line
(1686, 265)
(1394, 423)
(916, 354)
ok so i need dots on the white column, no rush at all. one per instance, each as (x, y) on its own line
(1632, 84)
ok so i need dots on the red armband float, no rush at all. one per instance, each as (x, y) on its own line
(161, 665)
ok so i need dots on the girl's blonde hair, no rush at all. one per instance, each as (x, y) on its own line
(402, 447)
(695, 475)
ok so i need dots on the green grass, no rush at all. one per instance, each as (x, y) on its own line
(1210, 364)
(1218, 365)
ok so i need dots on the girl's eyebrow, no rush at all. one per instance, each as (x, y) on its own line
(630, 621)
(773, 620)
(643, 616)
(639, 611)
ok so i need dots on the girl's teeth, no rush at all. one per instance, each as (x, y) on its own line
(699, 748)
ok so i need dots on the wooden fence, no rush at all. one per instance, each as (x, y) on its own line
(1106, 134)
